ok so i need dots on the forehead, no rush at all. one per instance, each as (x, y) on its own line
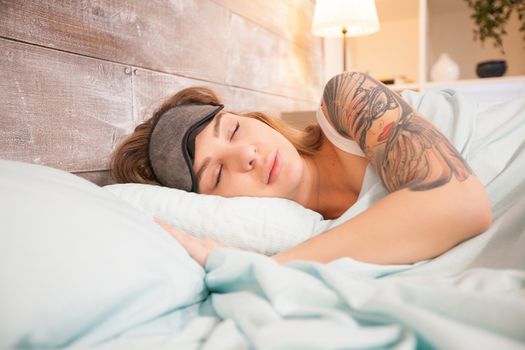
(213, 126)
(218, 120)
(211, 130)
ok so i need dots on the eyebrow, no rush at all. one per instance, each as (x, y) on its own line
(216, 133)
(217, 126)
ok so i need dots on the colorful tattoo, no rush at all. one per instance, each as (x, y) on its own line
(406, 150)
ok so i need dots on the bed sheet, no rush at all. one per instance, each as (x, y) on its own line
(472, 297)
(255, 303)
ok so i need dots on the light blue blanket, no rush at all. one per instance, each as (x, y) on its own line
(472, 297)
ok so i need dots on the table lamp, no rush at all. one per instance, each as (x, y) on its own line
(333, 18)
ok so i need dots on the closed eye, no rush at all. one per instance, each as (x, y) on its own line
(235, 131)
(218, 179)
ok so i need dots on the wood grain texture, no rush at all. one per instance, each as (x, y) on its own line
(290, 19)
(194, 38)
(150, 89)
(78, 76)
(61, 110)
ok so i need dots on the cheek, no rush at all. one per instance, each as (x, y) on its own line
(293, 170)
(239, 185)
(376, 127)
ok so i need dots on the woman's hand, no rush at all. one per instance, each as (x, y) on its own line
(198, 248)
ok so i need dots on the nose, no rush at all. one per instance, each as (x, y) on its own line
(241, 157)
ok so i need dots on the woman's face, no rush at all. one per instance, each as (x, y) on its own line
(241, 156)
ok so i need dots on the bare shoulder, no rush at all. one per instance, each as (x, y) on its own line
(404, 147)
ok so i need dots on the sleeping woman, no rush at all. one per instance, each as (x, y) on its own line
(192, 144)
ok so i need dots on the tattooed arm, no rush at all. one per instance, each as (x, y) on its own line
(405, 149)
(435, 200)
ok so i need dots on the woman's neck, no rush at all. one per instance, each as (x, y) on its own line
(335, 180)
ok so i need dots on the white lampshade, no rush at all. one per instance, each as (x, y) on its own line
(359, 17)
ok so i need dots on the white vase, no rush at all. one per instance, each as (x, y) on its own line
(445, 69)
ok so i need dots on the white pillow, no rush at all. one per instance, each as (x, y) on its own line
(262, 225)
(78, 265)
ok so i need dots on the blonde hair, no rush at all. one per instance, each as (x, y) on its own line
(130, 160)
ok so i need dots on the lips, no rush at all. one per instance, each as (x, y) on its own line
(272, 167)
(386, 132)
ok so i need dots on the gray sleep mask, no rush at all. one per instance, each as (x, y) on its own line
(172, 144)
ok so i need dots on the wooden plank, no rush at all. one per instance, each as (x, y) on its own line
(59, 109)
(271, 63)
(291, 19)
(150, 89)
(193, 38)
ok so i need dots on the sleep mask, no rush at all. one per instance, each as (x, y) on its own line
(172, 144)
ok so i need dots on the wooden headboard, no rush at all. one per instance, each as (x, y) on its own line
(78, 76)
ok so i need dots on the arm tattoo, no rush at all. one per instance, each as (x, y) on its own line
(406, 150)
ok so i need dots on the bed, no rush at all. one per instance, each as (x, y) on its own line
(84, 266)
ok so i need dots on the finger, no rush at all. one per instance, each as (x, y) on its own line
(166, 226)
(159, 220)
(185, 239)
